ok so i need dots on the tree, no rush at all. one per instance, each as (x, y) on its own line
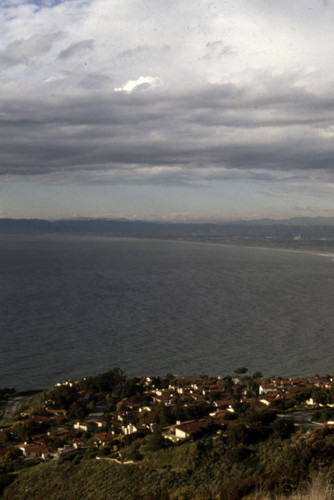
(24, 430)
(77, 410)
(228, 383)
(61, 396)
(11, 460)
(321, 396)
(241, 370)
(111, 381)
(237, 433)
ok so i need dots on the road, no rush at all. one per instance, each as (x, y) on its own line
(12, 406)
(301, 417)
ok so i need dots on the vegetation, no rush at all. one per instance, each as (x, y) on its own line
(167, 438)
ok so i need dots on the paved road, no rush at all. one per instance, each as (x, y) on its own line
(12, 406)
(301, 417)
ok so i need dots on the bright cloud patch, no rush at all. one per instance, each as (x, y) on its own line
(144, 82)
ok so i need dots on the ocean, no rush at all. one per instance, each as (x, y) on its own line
(77, 306)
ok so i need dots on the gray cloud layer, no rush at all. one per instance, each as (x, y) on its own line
(213, 132)
(211, 92)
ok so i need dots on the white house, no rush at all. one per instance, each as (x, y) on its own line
(183, 430)
(34, 450)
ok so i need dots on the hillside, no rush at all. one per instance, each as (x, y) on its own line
(110, 436)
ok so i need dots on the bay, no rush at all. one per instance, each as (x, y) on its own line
(76, 306)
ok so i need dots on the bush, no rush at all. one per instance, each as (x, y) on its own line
(238, 488)
(283, 428)
(183, 493)
(238, 433)
(5, 480)
(153, 442)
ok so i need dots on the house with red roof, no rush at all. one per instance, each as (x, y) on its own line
(31, 450)
(184, 430)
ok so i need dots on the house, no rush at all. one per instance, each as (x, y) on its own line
(103, 437)
(219, 419)
(146, 409)
(84, 395)
(163, 398)
(184, 430)
(268, 399)
(84, 426)
(40, 439)
(128, 415)
(96, 418)
(34, 450)
(61, 412)
(125, 404)
(59, 433)
(218, 390)
(267, 389)
(27, 412)
(114, 426)
(78, 443)
(312, 402)
(69, 383)
(224, 404)
(181, 385)
(67, 449)
(195, 397)
(38, 419)
(131, 428)
(70, 448)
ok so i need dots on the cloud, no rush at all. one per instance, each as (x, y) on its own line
(239, 94)
(217, 49)
(76, 48)
(216, 132)
(143, 83)
(134, 52)
(21, 50)
(307, 208)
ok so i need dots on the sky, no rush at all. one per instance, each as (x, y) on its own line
(178, 110)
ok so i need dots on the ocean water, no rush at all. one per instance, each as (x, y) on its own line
(75, 306)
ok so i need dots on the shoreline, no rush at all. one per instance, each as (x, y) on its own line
(315, 249)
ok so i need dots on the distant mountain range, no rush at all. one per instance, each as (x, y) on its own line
(293, 221)
(294, 229)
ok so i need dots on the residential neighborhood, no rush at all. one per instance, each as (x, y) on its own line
(100, 414)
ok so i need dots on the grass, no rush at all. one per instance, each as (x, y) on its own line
(89, 480)
(320, 487)
(102, 480)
